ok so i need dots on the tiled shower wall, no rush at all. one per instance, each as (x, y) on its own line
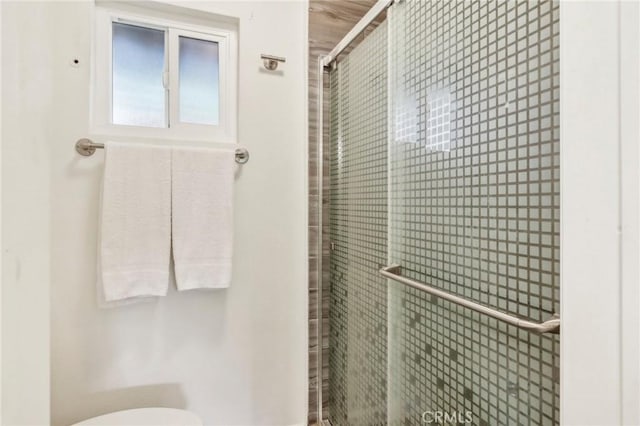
(329, 21)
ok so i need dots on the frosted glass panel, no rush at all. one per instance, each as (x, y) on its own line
(474, 210)
(358, 230)
(445, 159)
(138, 64)
(198, 81)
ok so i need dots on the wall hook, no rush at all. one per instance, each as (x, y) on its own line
(271, 62)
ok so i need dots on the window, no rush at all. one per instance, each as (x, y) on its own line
(138, 96)
(163, 79)
(198, 81)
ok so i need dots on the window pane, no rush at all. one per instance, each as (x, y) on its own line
(198, 81)
(138, 64)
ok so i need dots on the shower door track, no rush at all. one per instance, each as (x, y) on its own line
(358, 28)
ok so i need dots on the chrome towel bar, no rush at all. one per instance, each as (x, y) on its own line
(87, 147)
(552, 325)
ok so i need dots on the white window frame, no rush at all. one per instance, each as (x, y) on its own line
(102, 99)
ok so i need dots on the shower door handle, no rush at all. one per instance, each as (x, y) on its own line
(552, 325)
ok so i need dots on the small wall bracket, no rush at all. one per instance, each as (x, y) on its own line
(271, 62)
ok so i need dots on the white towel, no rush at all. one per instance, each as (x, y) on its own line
(136, 221)
(202, 217)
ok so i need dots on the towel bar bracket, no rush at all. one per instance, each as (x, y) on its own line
(85, 147)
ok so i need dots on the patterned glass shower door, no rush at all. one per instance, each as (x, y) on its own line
(445, 160)
(474, 209)
(358, 232)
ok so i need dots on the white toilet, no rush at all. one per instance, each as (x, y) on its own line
(145, 417)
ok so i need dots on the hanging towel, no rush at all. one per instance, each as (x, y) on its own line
(135, 221)
(202, 216)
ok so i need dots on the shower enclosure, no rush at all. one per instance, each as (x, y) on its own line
(444, 215)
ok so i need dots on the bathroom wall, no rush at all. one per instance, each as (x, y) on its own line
(27, 100)
(0, 224)
(233, 356)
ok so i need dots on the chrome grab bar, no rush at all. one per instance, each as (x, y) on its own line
(86, 147)
(552, 325)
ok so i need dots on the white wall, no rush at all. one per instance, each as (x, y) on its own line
(235, 356)
(1, 417)
(28, 100)
(599, 260)
(630, 205)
